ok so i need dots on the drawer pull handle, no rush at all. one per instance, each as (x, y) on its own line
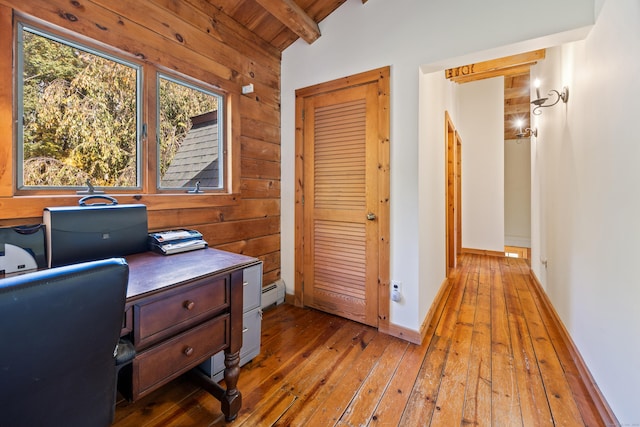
(244, 330)
(189, 305)
(188, 351)
(245, 283)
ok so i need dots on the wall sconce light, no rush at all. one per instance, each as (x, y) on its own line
(526, 133)
(539, 102)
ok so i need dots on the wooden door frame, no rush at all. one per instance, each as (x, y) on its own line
(453, 193)
(380, 77)
(458, 187)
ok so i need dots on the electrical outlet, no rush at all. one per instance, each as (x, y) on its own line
(396, 291)
(396, 285)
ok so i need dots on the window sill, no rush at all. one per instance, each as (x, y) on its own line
(32, 206)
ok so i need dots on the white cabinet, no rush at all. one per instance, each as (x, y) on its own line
(251, 324)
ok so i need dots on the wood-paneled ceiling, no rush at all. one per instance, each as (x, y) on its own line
(279, 22)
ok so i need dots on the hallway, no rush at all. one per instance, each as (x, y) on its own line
(492, 356)
(497, 354)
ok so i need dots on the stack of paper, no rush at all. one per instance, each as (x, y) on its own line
(175, 241)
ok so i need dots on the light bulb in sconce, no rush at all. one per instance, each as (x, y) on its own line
(536, 84)
(526, 133)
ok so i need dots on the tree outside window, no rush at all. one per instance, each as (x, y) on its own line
(79, 116)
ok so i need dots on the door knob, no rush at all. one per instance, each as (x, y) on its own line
(371, 216)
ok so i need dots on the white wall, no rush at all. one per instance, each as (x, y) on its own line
(588, 188)
(436, 97)
(407, 34)
(517, 192)
(480, 122)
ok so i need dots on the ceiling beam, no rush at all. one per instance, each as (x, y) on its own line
(502, 66)
(293, 17)
(517, 69)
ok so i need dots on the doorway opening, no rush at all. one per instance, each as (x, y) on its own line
(514, 228)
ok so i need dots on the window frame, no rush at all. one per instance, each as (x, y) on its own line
(22, 26)
(29, 204)
(222, 144)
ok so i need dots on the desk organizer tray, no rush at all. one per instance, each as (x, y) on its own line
(94, 231)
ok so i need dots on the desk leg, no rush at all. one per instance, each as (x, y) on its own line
(232, 400)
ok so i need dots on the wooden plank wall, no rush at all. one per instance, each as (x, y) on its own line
(516, 103)
(195, 38)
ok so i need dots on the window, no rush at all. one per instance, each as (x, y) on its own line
(84, 118)
(190, 136)
(80, 115)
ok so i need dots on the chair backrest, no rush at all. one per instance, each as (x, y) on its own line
(59, 328)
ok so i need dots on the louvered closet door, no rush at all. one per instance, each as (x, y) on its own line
(340, 187)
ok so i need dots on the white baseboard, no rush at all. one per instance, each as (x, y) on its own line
(519, 241)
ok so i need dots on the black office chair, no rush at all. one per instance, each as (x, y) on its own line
(59, 329)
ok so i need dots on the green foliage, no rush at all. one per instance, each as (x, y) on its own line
(80, 118)
(44, 62)
(46, 171)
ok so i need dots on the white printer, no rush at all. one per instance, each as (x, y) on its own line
(22, 248)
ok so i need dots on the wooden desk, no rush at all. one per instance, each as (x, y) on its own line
(182, 309)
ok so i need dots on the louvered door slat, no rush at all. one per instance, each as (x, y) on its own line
(340, 155)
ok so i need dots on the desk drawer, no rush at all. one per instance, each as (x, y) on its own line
(162, 363)
(162, 317)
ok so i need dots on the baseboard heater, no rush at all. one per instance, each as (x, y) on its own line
(273, 294)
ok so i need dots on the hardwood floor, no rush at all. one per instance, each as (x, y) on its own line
(492, 356)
